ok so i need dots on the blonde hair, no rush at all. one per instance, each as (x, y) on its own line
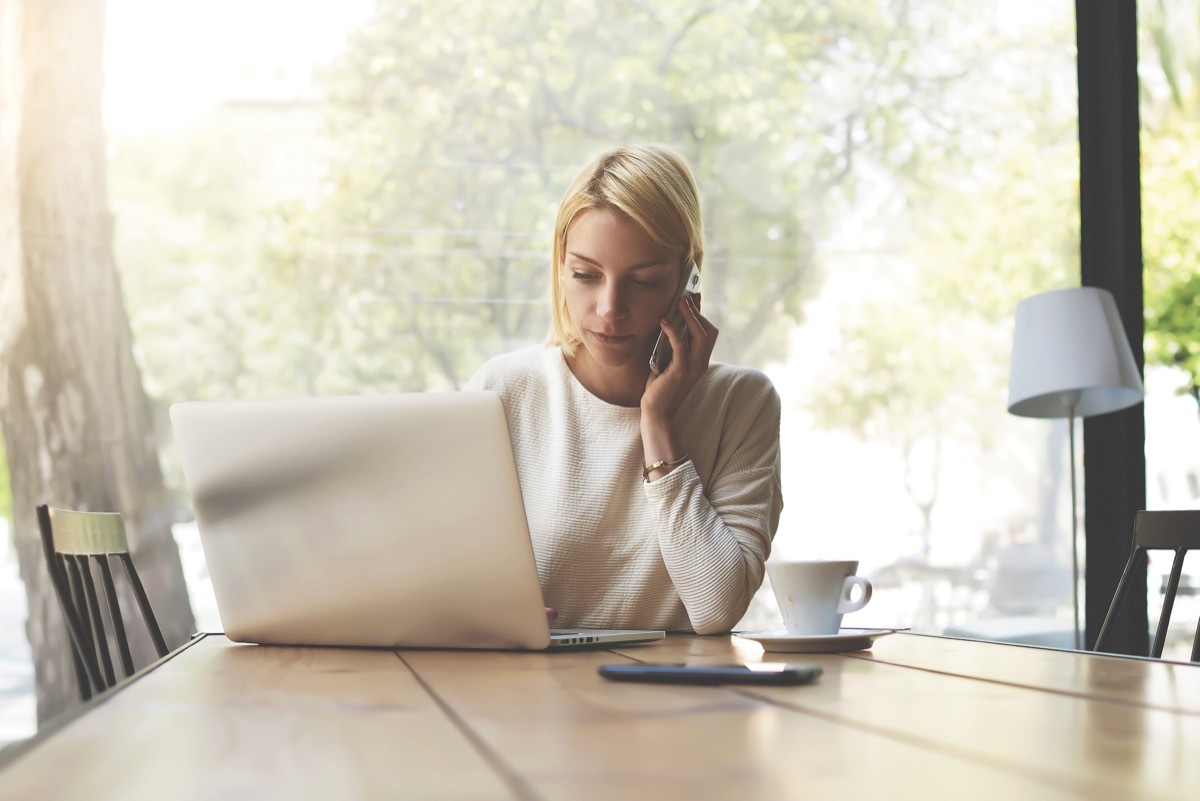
(651, 185)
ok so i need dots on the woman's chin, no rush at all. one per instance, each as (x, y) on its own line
(618, 357)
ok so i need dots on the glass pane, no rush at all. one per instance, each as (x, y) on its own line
(883, 184)
(1169, 68)
(899, 451)
(361, 200)
(363, 203)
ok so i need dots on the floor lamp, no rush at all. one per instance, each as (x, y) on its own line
(1071, 358)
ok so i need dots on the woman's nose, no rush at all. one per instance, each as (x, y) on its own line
(611, 304)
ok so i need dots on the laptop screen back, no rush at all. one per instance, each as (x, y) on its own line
(384, 520)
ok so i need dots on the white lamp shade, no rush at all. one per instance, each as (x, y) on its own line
(1069, 348)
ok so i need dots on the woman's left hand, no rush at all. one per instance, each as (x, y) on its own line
(665, 392)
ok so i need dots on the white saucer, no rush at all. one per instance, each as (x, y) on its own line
(845, 640)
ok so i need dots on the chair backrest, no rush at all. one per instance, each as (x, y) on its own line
(1175, 530)
(78, 547)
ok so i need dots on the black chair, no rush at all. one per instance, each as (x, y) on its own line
(74, 543)
(1176, 530)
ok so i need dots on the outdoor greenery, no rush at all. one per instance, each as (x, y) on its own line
(452, 129)
(1169, 49)
(1171, 249)
(395, 234)
(415, 245)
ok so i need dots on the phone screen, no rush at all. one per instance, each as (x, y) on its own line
(759, 673)
(660, 357)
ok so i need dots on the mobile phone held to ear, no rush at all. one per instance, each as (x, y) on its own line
(660, 357)
(772, 673)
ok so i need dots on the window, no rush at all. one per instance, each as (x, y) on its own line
(1168, 60)
(362, 202)
(882, 185)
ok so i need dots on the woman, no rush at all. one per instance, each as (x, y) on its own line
(652, 498)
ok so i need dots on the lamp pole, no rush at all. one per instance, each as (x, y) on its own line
(1071, 399)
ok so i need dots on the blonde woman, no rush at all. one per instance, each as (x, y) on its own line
(652, 497)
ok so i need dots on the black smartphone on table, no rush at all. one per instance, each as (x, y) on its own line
(770, 673)
(660, 357)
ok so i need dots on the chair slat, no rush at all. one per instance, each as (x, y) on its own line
(78, 602)
(143, 602)
(94, 615)
(87, 677)
(114, 613)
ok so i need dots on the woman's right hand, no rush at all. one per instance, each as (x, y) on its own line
(551, 615)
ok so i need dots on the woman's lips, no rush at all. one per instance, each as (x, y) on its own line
(610, 339)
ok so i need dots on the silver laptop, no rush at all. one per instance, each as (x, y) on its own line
(375, 520)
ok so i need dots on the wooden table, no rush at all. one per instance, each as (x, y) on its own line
(916, 718)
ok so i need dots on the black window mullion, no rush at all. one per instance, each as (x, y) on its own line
(1114, 463)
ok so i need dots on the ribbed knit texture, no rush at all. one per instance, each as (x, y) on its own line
(684, 552)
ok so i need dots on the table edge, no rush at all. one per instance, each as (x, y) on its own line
(14, 751)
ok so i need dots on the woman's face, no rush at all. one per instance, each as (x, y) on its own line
(618, 283)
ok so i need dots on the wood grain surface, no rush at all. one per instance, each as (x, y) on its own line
(914, 718)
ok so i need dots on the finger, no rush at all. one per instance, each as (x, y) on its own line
(674, 337)
(682, 347)
(692, 312)
(703, 335)
(697, 326)
(709, 328)
(683, 344)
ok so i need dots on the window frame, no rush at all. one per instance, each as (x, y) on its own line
(1114, 462)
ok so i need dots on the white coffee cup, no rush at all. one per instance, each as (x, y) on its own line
(813, 595)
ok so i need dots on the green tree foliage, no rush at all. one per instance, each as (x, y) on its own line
(927, 346)
(1171, 248)
(1170, 112)
(456, 124)
(190, 205)
(922, 359)
(451, 129)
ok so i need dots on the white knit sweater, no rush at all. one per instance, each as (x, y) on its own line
(683, 552)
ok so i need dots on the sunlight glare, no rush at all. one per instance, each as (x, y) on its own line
(170, 60)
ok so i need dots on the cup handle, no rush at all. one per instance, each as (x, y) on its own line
(847, 605)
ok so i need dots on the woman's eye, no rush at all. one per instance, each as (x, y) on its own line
(578, 276)
(647, 284)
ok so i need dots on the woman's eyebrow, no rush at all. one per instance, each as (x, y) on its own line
(582, 257)
(594, 263)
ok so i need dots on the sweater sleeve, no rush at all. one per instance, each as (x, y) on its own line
(716, 539)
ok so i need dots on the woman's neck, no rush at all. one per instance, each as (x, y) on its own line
(618, 386)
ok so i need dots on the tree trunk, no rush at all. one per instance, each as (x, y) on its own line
(76, 421)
